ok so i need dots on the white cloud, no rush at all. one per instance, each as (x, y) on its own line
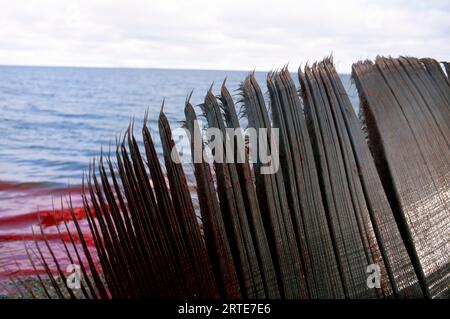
(219, 34)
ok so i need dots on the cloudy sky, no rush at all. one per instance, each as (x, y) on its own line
(226, 34)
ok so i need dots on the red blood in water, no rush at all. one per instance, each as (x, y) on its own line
(22, 205)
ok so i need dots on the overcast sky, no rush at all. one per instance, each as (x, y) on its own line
(226, 34)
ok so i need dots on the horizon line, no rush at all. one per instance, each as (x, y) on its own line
(139, 68)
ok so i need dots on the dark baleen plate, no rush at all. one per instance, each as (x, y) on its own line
(398, 264)
(250, 198)
(303, 190)
(345, 207)
(410, 145)
(216, 237)
(233, 208)
(273, 202)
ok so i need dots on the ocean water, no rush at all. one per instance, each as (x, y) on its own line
(54, 120)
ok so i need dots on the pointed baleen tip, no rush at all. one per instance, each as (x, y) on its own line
(320, 63)
(252, 79)
(270, 76)
(284, 74)
(210, 98)
(189, 112)
(224, 82)
(301, 74)
(146, 117)
(161, 111)
(328, 59)
(211, 88)
(188, 98)
(127, 131)
(306, 67)
(224, 90)
(131, 127)
(245, 85)
(162, 119)
(308, 71)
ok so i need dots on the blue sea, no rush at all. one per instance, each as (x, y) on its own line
(54, 120)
